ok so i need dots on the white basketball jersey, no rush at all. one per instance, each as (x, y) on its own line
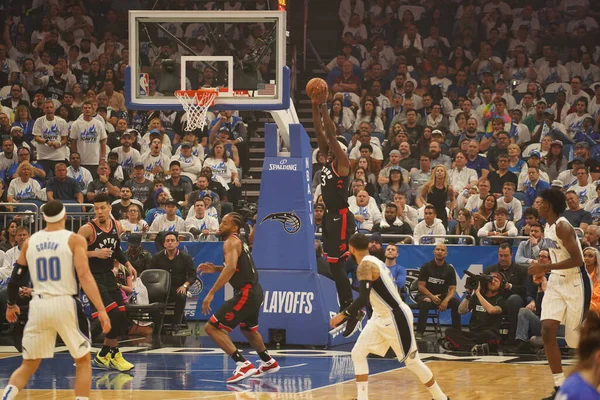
(50, 262)
(386, 297)
(558, 252)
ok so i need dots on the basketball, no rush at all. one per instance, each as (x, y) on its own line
(315, 87)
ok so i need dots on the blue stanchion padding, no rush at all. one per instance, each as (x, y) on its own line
(301, 303)
(464, 258)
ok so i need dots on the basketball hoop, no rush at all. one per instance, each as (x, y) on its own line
(196, 104)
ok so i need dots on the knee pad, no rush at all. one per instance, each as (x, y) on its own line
(417, 367)
(359, 359)
(572, 337)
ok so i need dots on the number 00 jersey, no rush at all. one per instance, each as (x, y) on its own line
(334, 188)
(108, 239)
(50, 263)
(245, 271)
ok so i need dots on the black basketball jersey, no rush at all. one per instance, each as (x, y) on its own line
(103, 240)
(334, 188)
(56, 90)
(245, 271)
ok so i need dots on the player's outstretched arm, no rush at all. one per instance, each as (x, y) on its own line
(366, 273)
(566, 233)
(342, 163)
(78, 246)
(321, 139)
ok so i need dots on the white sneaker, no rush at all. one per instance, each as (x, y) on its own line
(269, 367)
(242, 371)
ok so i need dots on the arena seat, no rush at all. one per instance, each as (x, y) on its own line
(158, 284)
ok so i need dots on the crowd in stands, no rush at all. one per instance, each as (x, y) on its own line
(67, 135)
(455, 125)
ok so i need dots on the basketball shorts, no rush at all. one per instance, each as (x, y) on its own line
(389, 330)
(337, 229)
(49, 315)
(242, 309)
(567, 298)
(109, 292)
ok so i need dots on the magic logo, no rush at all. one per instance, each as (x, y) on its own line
(89, 135)
(290, 221)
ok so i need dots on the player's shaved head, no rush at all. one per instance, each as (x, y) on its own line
(359, 241)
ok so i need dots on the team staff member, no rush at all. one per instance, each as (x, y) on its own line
(181, 267)
(339, 222)
(239, 270)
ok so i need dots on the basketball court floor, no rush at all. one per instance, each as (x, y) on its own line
(186, 368)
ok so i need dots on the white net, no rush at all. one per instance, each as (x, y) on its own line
(196, 107)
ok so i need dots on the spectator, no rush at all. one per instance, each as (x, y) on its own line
(141, 187)
(398, 271)
(318, 214)
(363, 137)
(515, 162)
(181, 267)
(24, 188)
(591, 237)
(476, 161)
(576, 215)
(528, 250)
(486, 211)
(534, 186)
(429, 226)
(501, 226)
(392, 224)
(168, 221)
(510, 203)
(88, 138)
(322, 264)
(12, 254)
(406, 213)
(179, 186)
(514, 287)
(120, 206)
(133, 221)
(437, 289)
(366, 213)
(395, 185)
(189, 163)
(138, 256)
(50, 134)
(10, 237)
(464, 226)
(375, 248)
(593, 206)
(461, 178)
(237, 137)
(82, 176)
(501, 176)
(474, 202)
(201, 225)
(224, 168)
(156, 161)
(437, 158)
(160, 197)
(115, 99)
(128, 156)
(582, 149)
(347, 82)
(439, 193)
(103, 184)
(584, 189)
(63, 188)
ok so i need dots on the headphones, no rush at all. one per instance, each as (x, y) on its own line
(503, 279)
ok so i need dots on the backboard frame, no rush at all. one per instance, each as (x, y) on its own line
(281, 101)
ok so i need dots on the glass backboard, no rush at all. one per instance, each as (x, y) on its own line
(241, 51)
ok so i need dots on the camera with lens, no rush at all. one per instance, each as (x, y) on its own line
(247, 210)
(168, 64)
(474, 280)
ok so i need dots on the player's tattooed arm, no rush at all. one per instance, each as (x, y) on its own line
(366, 271)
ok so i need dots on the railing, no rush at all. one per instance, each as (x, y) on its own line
(468, 237)
(78, 214)
(294, 71)
(146, 236)
(485, 241)
(25, 214)
(305, 34)
(385, 236)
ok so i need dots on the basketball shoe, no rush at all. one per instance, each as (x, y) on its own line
(102, 362)
(269, 367)
(120, 364)
(242, 371)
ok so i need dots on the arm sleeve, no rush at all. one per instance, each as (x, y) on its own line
(361, 301)
(13, 285)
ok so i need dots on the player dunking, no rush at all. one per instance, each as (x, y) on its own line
(58, 259)
(568, 294)
(104, 247)
(339, 222)
(239, 270)
(391, 324)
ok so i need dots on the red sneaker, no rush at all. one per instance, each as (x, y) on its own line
(242, 371)
(269, 367)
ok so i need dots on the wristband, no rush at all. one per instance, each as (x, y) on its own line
(185, 286)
